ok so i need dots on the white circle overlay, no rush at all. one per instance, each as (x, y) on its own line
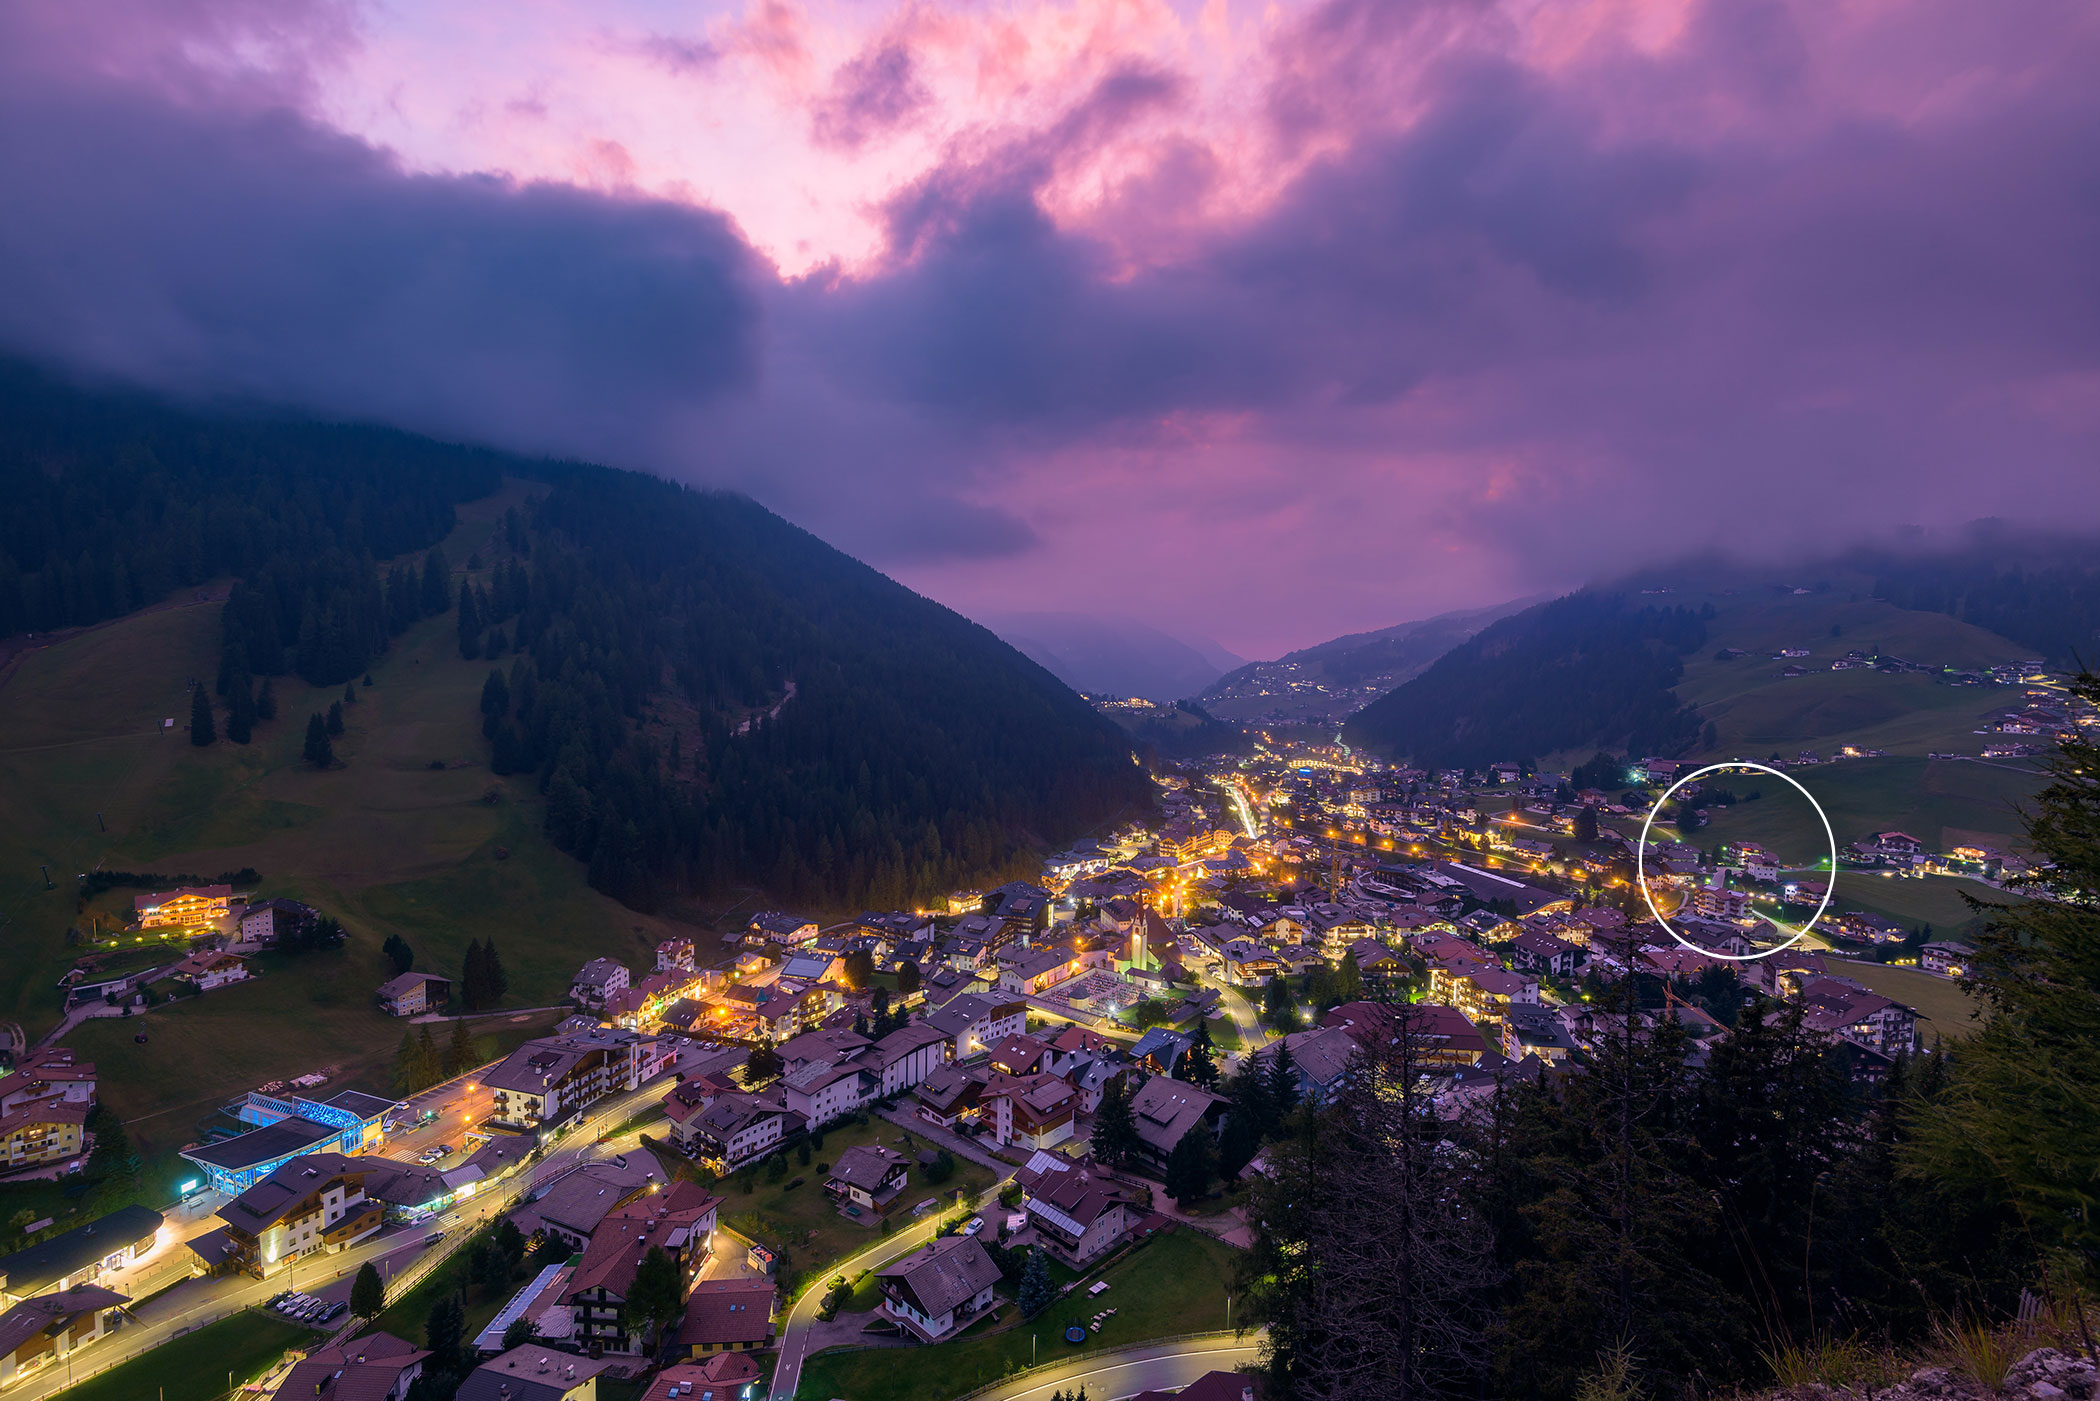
(1641, 872)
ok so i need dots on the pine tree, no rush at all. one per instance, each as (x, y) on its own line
(445, 1334)
(1281, 1082)
(1036, 1291)
(429, 1065)
(437, 583)
(495, 703)
(907, 977)
(469, 623)
(266, 700)
(459, 1055)
(202, 731)
(2020, 1113)
(398, 953)
(1192, 1166)
(1278, 1007)
(657, 1292)
(1368, 1267)
(407, 1069)
(240, 701)
(1196, 1067)
(498, 980)
(368, 1293)
(1115, 1138)
(474, 978)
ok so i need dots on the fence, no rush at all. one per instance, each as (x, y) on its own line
(76, 1376)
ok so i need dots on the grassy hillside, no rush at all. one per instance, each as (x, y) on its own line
(1923, 797)
(386, 842)
(1756, 710)
(1943, 1008)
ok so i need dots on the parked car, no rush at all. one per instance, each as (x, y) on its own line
(334, 1311)
(973, 1226)
(433, 1238)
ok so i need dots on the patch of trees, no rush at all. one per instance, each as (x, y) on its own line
(482, 979)
(849, 740)
(1582, 670)
(116, 500)
(96, 882)
(2045, 594)
(1186, 731)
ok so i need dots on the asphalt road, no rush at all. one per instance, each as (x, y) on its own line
(794, 1336)
(1111, 1376)
(392, 1250)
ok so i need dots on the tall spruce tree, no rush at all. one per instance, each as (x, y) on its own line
(474, 978)
(266, 700)
(1193, 1165)
(469, 622)
(495, 703)
(459, 1052)
(498, 980)
(202, 731)
(319, 751)
(2019, 1116)
(335, 717)
(1036, 1291)
(368, 1293)
(1115, 1139)
(437, 583)
(240, 699)
(408, 1066)
(429, 1063)
(1369, 1268)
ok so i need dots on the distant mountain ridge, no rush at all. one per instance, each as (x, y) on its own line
(1330, 680)
(1115, 656)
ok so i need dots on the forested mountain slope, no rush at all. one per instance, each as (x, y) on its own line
(709, 696)
(1587, 669)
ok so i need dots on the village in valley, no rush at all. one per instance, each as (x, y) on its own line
(769, 1159)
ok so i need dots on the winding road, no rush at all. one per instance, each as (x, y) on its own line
(794, 1337)
(1111, 1376)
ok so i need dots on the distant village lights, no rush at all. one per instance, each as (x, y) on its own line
(1641, 873)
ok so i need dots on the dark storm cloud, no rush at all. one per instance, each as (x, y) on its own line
(1768, 282)
(251, 253)
(871, 96)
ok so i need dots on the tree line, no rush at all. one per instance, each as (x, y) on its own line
(116, 500)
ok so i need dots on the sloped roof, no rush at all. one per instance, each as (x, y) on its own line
(950, 1271)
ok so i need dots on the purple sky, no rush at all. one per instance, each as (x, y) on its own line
(1265, 322)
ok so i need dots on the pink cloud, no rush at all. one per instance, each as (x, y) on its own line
(1267, 321)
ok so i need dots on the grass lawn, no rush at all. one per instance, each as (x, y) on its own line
(407, 1316)
(1943, 1008)
(804, 1221)
(385, 842)
(1863, 796)
(194, 1367)
(302, 1014)
(1175, 1284)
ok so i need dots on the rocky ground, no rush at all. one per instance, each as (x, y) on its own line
(2045, 1374)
